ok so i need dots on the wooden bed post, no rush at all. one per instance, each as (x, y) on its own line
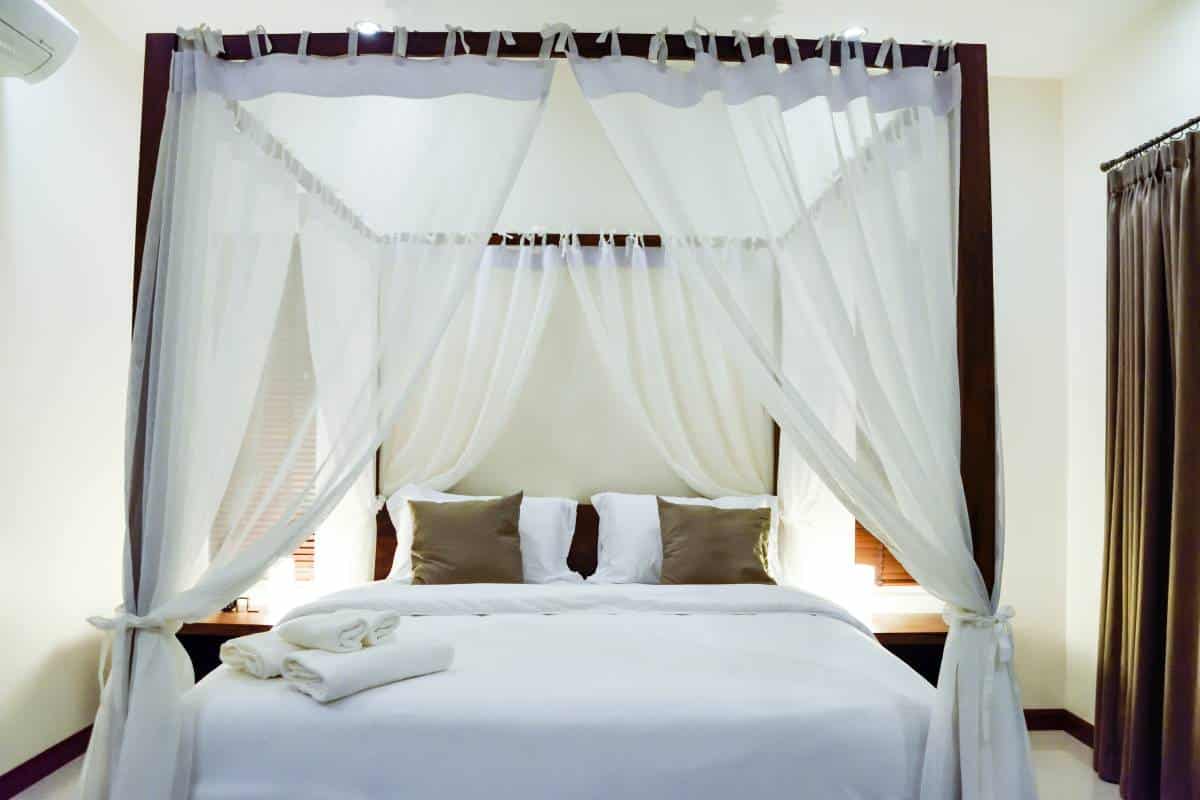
(976, 311)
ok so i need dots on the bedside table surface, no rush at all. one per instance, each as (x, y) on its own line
(232, 623)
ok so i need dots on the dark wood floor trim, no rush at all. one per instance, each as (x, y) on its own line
(22, 776)
(1059, 719)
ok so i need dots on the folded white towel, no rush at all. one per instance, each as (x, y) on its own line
(338, 631)
(259, 654)
(380, 625)
(326, 676)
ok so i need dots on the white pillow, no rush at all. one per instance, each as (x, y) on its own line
(546, 527)
(631, 540)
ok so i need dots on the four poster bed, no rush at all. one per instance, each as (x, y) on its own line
(849, 292)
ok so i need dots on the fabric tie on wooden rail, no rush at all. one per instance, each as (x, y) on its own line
(208, 39)
(559, 38)
(451, 32)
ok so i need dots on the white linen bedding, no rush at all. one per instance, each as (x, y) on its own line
(577, 691)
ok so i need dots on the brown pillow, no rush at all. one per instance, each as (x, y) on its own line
(703, 544)
(474, 541)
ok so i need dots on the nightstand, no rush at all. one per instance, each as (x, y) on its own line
(202, 640)
(916, 639)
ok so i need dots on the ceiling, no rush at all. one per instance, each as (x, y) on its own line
(1027, 38)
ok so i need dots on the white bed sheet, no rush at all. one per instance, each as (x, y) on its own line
(573, 691)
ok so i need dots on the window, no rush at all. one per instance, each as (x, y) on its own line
(283, 401)
(869, 550)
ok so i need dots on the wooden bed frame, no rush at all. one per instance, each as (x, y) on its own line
(975, 306)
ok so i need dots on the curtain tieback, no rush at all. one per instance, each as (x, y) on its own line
(120, 623)
(1000, 649)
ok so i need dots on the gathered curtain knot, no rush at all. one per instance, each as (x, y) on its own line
(119, 623)
(122, 621)
(1000, 622)
(999, 650)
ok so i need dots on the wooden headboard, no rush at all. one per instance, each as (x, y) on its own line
(582, 558)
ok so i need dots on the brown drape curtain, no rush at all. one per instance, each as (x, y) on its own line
(1147, 695)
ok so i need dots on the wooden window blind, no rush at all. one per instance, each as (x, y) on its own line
(869, 550)
(281, 407)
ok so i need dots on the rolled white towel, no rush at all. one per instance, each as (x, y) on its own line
(259, 654)
(338, 631)
(326, 676)
(380, 625)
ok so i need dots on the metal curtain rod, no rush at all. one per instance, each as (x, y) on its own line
(1157, 140)
(528, 44)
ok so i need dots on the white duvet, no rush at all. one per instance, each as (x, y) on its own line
(578, 691)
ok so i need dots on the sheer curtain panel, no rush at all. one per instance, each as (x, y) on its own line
(850, 181)
(253, 171)
(467, 395)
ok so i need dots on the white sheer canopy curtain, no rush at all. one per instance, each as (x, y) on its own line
(850, 180)
(467, 395)
(380, 176)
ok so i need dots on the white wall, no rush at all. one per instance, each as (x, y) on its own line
(1128, 92)
(68, 166)
(1026, 138)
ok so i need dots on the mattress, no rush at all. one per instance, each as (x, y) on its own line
(577, 691)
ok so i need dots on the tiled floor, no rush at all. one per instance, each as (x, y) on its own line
(1064, 772)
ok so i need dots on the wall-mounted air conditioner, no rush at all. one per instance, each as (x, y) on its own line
(34, 39)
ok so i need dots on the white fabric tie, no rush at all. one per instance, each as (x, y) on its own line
(693, 37)
(742, 41)
(559, 38)
(615, 35)
(887, 46)
(768, 44)
(205, 38)
(255, 48)
(1000, 649)
(658, 48)
(493, 50)
(825, 46)
(793, 48)
(451, 32)
(352, 43)
(936, 46)
(302, 48)
(120, 623)
(399, 42)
